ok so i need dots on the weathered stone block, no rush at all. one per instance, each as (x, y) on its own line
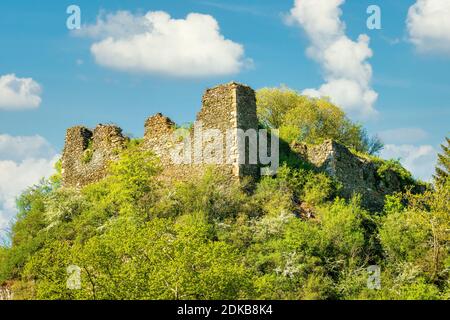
(86, 154)
(356, 174)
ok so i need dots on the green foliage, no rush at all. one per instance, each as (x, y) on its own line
(213, 194)
(306, 185)
(88, 153)
(49, 266)
(5, 273)
(443, 167)
(418, 234)
(393, 203)
(308, 120)
(160, 259)
(304, 259)
(386, 166)
(134, 236)
(208, 239)
(318, 189)
(26, 234)
(56, 178)
(134, 143)
(130, 188)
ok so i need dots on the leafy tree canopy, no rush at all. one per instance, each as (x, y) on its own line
(309, 120)
(443, 167)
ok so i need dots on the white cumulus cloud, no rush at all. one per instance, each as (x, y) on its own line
(428, 26)
(23, 162)
(419, 160)
(157, 43)
(347, 73)
(19, 93)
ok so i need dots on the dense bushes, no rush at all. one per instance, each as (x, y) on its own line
(158, 259)
(134, 237)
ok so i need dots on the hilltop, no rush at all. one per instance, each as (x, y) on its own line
(130, 218)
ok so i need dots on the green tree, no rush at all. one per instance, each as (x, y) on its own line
(48, 270)
(160, 259)
(414, 237)
(4, 261)
(311, 120)
(443, 167)
(26, 235)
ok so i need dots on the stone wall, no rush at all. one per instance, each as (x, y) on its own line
(226, 108)
(159, 137)
(86, 154)
(356, 174)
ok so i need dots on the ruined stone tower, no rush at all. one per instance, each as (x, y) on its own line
(225, 109)
(230, 108)
(86, 154)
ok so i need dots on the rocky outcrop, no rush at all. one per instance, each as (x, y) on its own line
(357, 175)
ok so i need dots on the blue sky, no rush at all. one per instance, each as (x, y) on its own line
(410, 67)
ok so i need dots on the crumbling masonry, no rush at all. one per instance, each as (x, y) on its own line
(226, 107)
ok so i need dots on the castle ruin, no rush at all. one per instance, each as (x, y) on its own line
(225, 108)
(228, 108)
